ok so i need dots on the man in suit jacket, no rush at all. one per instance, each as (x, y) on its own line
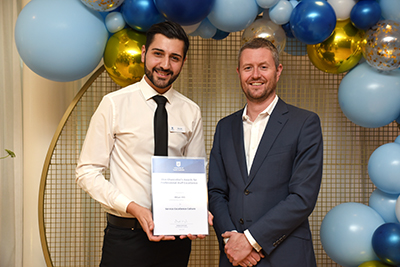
(265, 171)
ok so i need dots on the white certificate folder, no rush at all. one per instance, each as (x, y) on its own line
(179, 195)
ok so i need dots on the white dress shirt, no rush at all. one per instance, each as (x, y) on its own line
(253, 132)
(121, 136)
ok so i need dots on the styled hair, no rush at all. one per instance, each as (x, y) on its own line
(169, 29)
(258, 42)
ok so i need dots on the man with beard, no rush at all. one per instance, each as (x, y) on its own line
(265, 170)
(121, 136)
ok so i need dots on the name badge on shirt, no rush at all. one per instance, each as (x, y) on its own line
(177, 129)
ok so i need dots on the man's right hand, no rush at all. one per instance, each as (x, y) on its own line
(145, 218)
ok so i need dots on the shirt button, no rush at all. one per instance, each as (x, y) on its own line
(246, 192)
(241, 221)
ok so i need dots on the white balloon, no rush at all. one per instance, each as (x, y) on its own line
(342, 8)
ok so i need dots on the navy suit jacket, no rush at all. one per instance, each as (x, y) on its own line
(274, 201)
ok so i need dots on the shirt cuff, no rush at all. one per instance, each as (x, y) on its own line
(252, 241)
(121, 203)
(226, 239)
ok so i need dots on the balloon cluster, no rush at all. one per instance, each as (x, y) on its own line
(354, 234)
(64, 40)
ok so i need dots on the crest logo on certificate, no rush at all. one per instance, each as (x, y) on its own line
(179, 196)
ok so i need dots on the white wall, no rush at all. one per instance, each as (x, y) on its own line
(44, 104)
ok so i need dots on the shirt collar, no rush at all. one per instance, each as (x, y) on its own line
(148, 91)
(265, 112)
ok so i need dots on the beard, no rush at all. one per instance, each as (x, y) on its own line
(259, 95)
(157, 82)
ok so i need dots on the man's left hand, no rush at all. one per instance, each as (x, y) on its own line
(237, 248)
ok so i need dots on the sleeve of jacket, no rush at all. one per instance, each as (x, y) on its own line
(218, 189)
(303, 188)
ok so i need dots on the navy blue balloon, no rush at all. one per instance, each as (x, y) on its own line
(185, 12)
(386, 243)
(219, 35)
(140, 14)
(365, 14)
(312, 22)
(286, 27)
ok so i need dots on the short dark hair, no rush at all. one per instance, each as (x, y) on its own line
(258, 42)
(170, 30)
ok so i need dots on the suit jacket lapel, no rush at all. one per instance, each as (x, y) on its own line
(238, 143)
(275, 124)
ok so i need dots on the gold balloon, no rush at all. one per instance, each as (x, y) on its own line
(102, 5)
(374, 264)
(265, 28)
(341, 51)
(382, 45)
(122, 57)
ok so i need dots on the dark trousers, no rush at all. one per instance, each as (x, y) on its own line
(123, 247)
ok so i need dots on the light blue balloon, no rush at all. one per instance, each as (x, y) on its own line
(397, 140)
(370, 98)
(280, 13)
(114, 22)
(384, 168)
(294, 3)
(60, 40)
(267, 3)
(233, 15)
(346, 233)
(384, 204)
(390, 9)
(206, 30)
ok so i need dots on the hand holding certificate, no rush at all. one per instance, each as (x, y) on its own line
(179, 194)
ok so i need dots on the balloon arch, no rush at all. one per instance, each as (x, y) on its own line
(65, 40)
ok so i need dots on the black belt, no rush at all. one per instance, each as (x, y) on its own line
(123, 222)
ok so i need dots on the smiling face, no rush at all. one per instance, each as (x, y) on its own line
(163, 61)
(258, 74)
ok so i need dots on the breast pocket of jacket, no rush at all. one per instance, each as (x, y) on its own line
(279, 162)
(281, 151)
